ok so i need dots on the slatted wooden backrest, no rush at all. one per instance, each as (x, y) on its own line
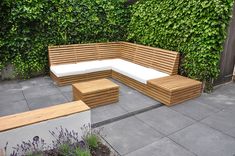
(108, 50)
(62, 54)
(85, 52)
(166, 61)
(128, 51)
(159, 59)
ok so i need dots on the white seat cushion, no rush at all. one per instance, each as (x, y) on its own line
(132, 70)
(78, 68)
(110, 62)
(66, 70)
(82, 67)
(137, 72)
(94, 66)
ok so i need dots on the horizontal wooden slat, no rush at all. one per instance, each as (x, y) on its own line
(95, 86)
(108, 50)
(39, 115)
(97, 92)
(80, 78)
(174, 89)
(173, 83)
(162, 60)
(85, 52)
(128, 51)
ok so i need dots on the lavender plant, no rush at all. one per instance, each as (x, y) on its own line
(36, 147)
(65, 143)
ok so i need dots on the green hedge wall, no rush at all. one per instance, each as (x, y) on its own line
(195, 28)
(28, 27)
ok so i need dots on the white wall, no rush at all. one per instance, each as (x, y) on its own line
(71, 122)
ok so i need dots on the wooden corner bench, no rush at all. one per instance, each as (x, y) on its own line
(135, 65)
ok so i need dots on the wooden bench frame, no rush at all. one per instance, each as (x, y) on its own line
(162, 60)
(159, 59)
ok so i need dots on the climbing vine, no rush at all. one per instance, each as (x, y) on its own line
(28, 27)
(195, 28)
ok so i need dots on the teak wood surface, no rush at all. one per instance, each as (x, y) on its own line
(175, 89)
(95, 86)
(96, 93)
(162, 60)
(174, 83)
(39, 115)
(159, 59)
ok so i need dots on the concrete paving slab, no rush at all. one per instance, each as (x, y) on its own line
(231, 132)
(136, 101)
(37, 81)
(11, 95)
(165, 120)
(223, 121)
(195, 109)
(163, 147)
(6, 86)
(68, 95)
(13, 107)
(39, 91)
(67, 88)
(125, 90)
(205, 141)
(219, 101)
(226, 89)
(106, 112)
(129, 134)
(46, 101)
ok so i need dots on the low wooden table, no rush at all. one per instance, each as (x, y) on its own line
(175, 89)
(96, 92)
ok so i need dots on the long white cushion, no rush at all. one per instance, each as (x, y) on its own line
(66, 70)
(79, 68)
(132, 70)
(137, 72)
(94, 66)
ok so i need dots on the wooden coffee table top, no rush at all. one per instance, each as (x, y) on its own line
(95, 85)
(175, 82)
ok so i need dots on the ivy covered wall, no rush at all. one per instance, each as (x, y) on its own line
(28, 27)
(195, 28)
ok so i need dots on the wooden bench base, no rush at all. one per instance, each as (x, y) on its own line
(175, 89)
(165, 96)
(61, 81)
(188, 90)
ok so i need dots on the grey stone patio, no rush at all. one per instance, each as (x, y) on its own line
(21, 96)
(138, 125)
(204, 126)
